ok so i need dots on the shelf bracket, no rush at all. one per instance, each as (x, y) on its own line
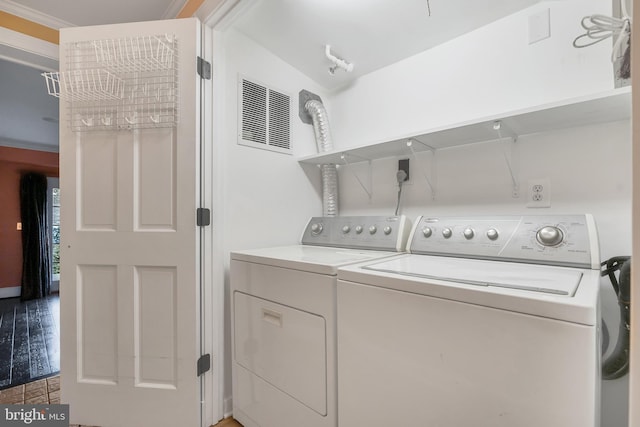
(510, 154)
(432, 169)
(367, 189)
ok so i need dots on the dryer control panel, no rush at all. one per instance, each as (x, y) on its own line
(564, 240)
(383, 233)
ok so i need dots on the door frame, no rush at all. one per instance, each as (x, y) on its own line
(634, 355)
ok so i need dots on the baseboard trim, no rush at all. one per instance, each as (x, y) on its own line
(10, 292)
(227, 407)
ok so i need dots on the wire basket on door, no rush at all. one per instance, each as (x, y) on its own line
(123, 83)
(84, 85)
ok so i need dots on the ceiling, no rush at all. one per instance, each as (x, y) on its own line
(369, 33)
(72, 13)
(28, 116)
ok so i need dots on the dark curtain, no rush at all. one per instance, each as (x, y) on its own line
(36, 272)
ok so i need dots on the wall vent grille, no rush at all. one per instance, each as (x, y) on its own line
(264, 117)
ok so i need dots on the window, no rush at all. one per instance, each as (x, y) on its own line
(55, 233)
(53, 221)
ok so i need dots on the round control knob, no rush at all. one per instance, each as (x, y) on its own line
(346, 229)
(373, 229)
(387, 230)
(468, 233)
(549, 236)
(316, 228)
(427, 232)
(446, 233)
(492, 234)
(358, 229)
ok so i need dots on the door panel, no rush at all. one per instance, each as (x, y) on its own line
(97, 324)
(96, 184)
(155, 326)
(155, 175)
(130, 291)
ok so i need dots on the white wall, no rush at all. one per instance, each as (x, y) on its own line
(265, 198)
(488, 71)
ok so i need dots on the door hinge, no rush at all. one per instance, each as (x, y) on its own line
(204, 69)
(203, 217)
(204, 364)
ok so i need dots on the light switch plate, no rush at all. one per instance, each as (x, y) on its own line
(540, 26)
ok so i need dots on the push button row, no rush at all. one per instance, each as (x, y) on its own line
(317, 228)
(468, 233)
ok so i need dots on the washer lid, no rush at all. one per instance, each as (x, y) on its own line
(414, 274)
(314, 259)
(536, 278)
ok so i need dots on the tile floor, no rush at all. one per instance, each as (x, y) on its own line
(38, 392)
(48, 391)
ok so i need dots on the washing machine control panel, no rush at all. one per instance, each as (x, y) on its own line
(566, 240)
(384, 233)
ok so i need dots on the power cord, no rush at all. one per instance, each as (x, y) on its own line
(602, 27)
(401, 177)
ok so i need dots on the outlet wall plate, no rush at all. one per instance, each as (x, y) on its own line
(539, 26)
(539, 193)
(403, 164)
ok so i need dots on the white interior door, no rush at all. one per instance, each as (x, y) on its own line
(130, 311)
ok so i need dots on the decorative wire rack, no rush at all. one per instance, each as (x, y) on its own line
(125, 83)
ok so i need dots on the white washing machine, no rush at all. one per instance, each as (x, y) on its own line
(283, 319)
(488, 322)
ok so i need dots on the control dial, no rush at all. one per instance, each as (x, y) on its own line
(387, 230)
(316, 228)
(373, 229)
(358, 229)
(468, 233)
(427, 232)
(446, 233)
(549, 236)
(346, 229)
(492, 234)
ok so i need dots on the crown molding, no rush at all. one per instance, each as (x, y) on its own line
(21, 48)
(173, 9)
(33, 15)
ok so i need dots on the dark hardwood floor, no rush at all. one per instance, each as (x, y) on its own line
(29, 340)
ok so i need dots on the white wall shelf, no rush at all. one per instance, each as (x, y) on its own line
(604, 107)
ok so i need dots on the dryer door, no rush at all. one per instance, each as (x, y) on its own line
(283, 346)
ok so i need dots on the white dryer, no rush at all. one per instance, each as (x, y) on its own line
(489, 322)
(283, 319)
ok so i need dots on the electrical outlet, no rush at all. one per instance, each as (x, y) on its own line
(539, 193)
(403, 165)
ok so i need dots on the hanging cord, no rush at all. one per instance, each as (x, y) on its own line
(602, 27)
(617, 364)
(401, 176)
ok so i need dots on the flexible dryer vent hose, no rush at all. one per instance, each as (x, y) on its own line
(324, 143)
(617, 364)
